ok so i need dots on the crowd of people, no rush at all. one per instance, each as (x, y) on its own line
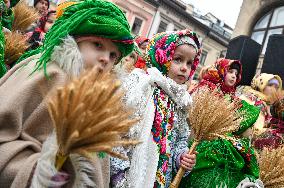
(157, 77)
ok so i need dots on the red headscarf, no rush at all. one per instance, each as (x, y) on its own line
(140, 40)
(215, 76)
(140, 63)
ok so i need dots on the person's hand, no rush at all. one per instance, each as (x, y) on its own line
(188, 161)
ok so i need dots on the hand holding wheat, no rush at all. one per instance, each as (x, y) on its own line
(209, 117)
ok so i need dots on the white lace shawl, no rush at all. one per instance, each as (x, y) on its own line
(140, 86)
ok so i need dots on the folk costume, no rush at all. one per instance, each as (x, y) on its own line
(226, 161)
(27, 150)
(161, 105)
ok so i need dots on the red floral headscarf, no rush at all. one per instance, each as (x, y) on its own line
(215, 76)
(140, 40)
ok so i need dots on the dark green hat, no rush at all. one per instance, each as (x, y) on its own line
(87, 18)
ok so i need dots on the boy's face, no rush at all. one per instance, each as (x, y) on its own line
(231, 77)
(42, 7)
(98, 52)
(181, 64)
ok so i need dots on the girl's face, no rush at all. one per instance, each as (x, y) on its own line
(181, 64)
(50, 21)
(231, 77)
(143, 47)
(99, 53)
(270, 89)
(130, 59)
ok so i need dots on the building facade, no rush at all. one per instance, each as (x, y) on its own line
(259, 19)
(139, 15)
(170, 15)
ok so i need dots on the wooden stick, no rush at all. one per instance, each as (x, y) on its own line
(59, 161)
(181, 170)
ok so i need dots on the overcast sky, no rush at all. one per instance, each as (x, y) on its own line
(226, 10)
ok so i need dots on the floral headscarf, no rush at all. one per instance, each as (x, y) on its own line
(140, 40)
(161, 48)
(215, 75)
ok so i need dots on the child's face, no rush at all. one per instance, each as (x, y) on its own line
(99, 53)
(181, 64)
(50, 21)
(143, 47)
(42, 7)
(8, 3)
(270, 89)
(231, 77)
(130, 59)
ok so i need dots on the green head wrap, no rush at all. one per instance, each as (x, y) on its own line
(84, 18)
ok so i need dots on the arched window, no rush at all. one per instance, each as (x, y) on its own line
(269, 24)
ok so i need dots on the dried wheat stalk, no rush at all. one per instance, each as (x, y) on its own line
(15, 45)
(24, 16)
(271, 163)
(89, 116)
(210, 116)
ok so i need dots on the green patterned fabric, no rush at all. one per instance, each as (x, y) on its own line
(13, 3)
(87, 18)
(3, 69)
(251, 114)
(8, 19)
(227, 161)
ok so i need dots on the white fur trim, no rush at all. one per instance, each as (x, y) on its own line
(140, 87)
(68, 57)
(45, 168)
(83, 168)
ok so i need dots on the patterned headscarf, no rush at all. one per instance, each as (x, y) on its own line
(161, 48)
(140, 40)
(259, 82)
(86, 18)
(215, 76)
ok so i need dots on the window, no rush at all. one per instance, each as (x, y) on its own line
(203, 57)
(162, 27)
(136, 27)
(271, 23)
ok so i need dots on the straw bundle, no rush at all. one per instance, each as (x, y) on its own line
(15, 45)
(277, 101)
(89, 116)
(210, 116)
(24, 16)
(271, 163)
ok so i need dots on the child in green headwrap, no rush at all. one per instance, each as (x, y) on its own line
(89, 33)
(159, 96)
